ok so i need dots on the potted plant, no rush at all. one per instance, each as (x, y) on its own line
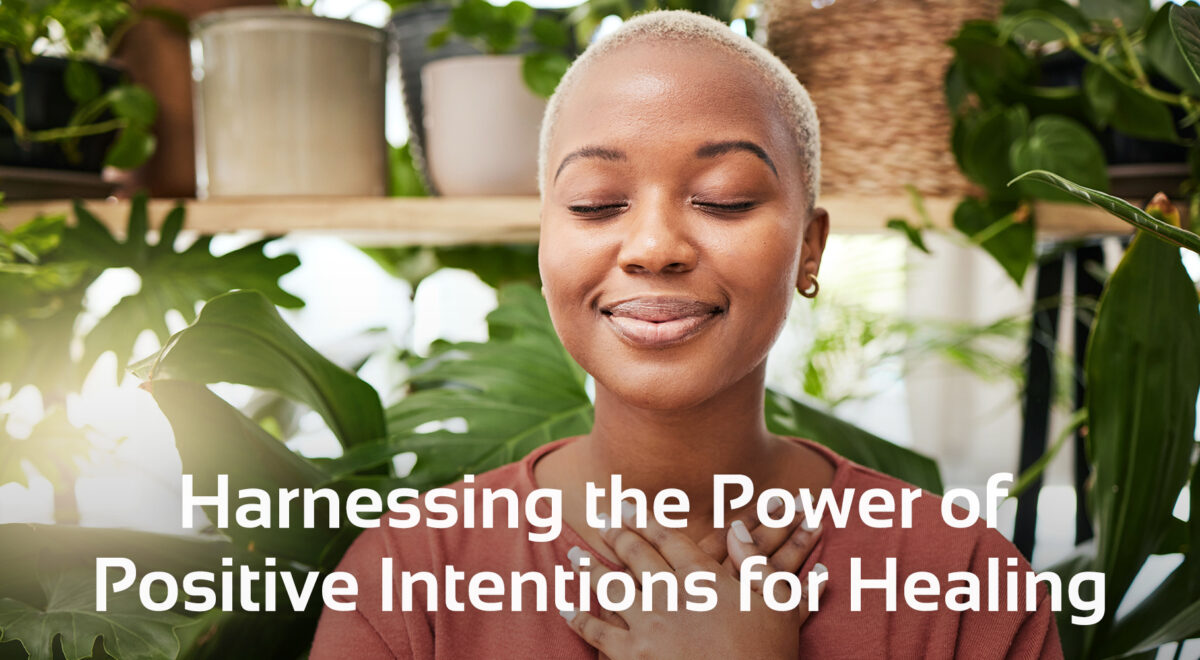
(475, 78)
(1098, 93)
(288, 103)
(62, 106)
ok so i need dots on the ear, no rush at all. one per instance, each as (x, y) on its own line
(816, 232)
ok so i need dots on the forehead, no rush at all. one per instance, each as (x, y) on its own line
(671, 88)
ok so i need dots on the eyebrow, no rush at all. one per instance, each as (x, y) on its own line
(714, 149)
(590, 152)
(706, 150)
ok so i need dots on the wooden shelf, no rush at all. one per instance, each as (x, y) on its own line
(460, 220)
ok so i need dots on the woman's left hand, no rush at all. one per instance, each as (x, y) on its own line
(721, 632)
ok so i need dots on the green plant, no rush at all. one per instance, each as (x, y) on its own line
(1142, 373)
(46, 269)
(514, 392)
(1009, 118)
(1143, 379)
(586, 16)
(85, 31)
(499, 29)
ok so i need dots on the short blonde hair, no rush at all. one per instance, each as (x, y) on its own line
(687, 26)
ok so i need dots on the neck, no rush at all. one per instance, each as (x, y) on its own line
(657, 449)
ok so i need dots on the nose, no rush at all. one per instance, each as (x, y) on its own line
(657, 242)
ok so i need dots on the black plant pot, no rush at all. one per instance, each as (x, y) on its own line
(47, 106)
(408, 36)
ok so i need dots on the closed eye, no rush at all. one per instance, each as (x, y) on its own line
(596, 209)
(728, 208)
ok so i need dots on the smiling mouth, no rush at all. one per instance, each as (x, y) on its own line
(655, 322)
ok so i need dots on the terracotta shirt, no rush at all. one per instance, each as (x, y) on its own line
(833, 632)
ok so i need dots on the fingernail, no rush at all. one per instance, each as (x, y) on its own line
(740, 532)
(578, 557)
(628, 511)
(809, 526)
(776, 504)
(820, 568)
(569, 615)
(605, 523)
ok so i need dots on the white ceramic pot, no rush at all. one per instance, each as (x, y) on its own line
(288, 103)
(481, 126)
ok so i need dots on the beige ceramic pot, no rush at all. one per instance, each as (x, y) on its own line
(288, 103)
(481, 126)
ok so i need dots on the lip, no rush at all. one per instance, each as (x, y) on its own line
(660, 321)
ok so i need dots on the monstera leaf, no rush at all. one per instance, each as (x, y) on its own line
(789, 417)
(51, 446)
(48, 591)
(170, 280)
(69, 623)
(513, 394)
(240, 338)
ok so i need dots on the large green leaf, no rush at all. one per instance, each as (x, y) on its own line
(214, 439)
(1127, 109)
(989, 65)
(70, 619)
(1131, 13)
(239, 337)
(999, 229)
(1119, 208)
(1143, 377)
(1160, 618)
(985, 144)
(170, 280)
(515, 393)
(48, 581)
(1062, 146)
(1024, 19)
(789, 417)
(1185, 26)
(51, 449)
(1164, 53)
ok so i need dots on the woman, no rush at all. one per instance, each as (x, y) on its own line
(679, 169)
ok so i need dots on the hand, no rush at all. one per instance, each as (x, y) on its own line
(722, 632)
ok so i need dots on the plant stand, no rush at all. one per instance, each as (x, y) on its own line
(1039, 379)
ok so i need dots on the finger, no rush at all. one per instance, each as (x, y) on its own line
(714, 544)
(635, 552)
(586, 565)
(740, 545)
(769, 539)
(807, 605)
(791, 554)
(680, 552)
(608, 639)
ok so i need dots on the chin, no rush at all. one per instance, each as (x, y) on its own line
(662, 389)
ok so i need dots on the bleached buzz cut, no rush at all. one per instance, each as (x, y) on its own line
(690, 27)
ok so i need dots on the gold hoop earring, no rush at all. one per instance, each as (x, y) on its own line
(816, 286)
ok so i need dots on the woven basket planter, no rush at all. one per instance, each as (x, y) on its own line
(875, 70)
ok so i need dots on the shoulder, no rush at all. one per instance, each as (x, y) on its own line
(925, 527)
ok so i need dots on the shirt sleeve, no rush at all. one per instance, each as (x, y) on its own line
(1038, 635)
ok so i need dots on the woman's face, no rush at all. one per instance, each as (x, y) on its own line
(672, 227)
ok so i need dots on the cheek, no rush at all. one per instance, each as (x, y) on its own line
(571, 268)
